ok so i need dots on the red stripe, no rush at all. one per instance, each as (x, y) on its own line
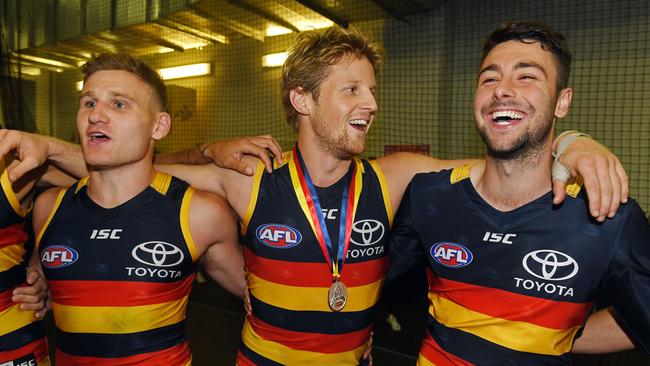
(509, 305)
(11, 235)
(242, 360)
(313, 274)
(438, 356)
(312, 342)
(38, 348)
(5, 299)
(118, 293)
(177, 355)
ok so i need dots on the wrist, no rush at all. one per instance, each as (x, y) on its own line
(563, 140)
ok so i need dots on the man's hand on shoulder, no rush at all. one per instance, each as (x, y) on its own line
(229, 154)
(604, 177)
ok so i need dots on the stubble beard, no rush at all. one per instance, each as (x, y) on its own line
(340, 147)
(528, 147)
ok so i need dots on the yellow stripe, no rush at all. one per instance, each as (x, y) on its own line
(11, 255)
(297, 188)
(287, 157)
(384, 190)
(13, 318)
(82, 182)
(517, 335)
(288, 356)
(49, 219)
(11, 195)
(161, 182)
(460, 173)
(574, 186)
(185, 223)
(311, 298)
(422, 361)
(118, 320)
(252, 201)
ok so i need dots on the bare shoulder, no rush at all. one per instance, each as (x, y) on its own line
(211, 219)
(43, 206)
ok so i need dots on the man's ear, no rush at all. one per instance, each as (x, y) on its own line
(563, 102)
(162, 125)
(300, 100)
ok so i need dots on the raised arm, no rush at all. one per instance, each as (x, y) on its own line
(34, 150)
(214, 229)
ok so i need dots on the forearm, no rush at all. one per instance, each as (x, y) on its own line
(67, 157)
(602, 335)
(189, 156)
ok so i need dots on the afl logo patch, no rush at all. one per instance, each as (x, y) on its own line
(157, 254)
(58, 256)
(451, 255)
(278, 236)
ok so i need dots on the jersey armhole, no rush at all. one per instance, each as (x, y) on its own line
(11, 195)
(57, 203)
(185, 223)
(384, 190)
(252, 202)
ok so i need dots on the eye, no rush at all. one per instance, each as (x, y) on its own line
(488, 81)
(351, 89)
(88, 103)
(119, 104)
(527, 77)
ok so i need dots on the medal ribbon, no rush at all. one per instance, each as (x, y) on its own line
(308, 199)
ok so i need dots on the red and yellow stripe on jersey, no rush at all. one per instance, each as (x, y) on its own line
(21, 336)
(292, 323)
(122, 296)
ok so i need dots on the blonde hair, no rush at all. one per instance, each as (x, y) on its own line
(310, 59)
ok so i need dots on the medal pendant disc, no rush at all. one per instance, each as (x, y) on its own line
(337, 296)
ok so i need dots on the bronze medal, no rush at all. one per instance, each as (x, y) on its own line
(337, 296)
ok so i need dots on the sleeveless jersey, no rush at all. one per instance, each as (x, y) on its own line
(120, 277)
(22, 339)
(514, 288)
(289, 277)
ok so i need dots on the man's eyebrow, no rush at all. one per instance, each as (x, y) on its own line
(491, 67)
(525, 64)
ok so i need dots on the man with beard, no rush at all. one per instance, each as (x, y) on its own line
(312, 302)
(512, 276)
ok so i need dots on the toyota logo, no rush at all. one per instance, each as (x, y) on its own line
(550, 265)
(368, 232)
(157, 254)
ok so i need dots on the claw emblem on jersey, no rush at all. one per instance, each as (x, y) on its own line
(451, 255)
(278, 236)
(58, 256)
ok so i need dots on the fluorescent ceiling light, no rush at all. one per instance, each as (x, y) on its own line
(304, 25)
(80, 85)
(27, 70)
(45, 61)
(185, 71)
(276, 30)
(274, 59)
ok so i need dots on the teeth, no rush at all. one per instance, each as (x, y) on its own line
(359, 122)
(507, 114)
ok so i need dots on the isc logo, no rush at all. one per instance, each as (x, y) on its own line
(58, 256)
(106, 234)
(451, 255)
(278, 236)
(498, 237)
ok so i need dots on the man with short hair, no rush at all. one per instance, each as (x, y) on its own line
(512, 277)
(120, 248)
